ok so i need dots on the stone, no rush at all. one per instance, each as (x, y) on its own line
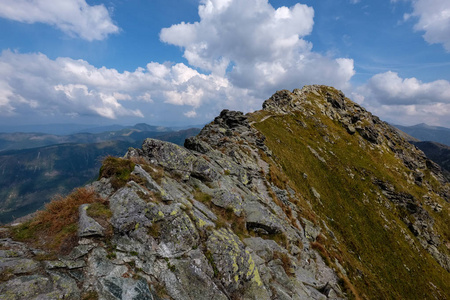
(18, 265)
(232, 261)
(124, 289)
(259, 217)
(151, 184)
(177, 235)
(103, 187)
(128, 210)
(25, 287)
(192, 279)
(227, 199)
(87, 226)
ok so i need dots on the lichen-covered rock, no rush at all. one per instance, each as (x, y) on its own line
(86, 225)
(128, 209)
(192, 278)
(25, 287)
(233, 262)
(177, 234)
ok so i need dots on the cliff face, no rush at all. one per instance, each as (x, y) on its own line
(310, 198)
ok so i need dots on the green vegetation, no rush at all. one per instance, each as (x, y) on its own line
(118, 169)
(202, 197)
(99, 210)
(91, 295)
(380, 263)
(6, 274)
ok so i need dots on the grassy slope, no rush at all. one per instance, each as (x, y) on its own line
(31, 177)
(369, 243)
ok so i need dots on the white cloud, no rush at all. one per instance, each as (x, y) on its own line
(74, 17)
(433, 18)
(390, 88)
(191, 114)
(33, 84)
(406, 100)
(239, 53)
(256, 46)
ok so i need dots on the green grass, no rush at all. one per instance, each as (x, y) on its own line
(118, 169)
(99, 210)
(366, 246)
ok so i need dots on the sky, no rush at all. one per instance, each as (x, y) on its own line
(177, 63)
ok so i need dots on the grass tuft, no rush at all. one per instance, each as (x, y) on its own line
(55, 227)
(118, 169)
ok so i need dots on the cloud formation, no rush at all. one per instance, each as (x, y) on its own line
(406, 100)
(433, 18)
(33, 84)
(245, 50)
(256, 46)
(74, 17)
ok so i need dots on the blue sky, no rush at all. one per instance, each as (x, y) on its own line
(180, 62)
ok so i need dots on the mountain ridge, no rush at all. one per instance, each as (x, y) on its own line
(424, 132)
(312, 197)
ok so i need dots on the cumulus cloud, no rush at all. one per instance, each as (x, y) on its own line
(433, 18)
(406, 100)
(390, 88)
(74, 17)
(257, 46)
(33, 84)
(238, 54)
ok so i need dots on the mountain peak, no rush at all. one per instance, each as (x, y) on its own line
(312, 197)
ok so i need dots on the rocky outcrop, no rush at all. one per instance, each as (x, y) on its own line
(218, 218)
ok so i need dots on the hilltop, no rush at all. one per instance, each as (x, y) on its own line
(311, 197)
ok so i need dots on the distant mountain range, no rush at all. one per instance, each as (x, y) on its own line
(434, 141)
(68, 129)
(26, 140)
(438, 153)
(424, 132)
(35, 167)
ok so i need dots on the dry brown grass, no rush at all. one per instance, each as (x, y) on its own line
(286, 262)
(55, 227)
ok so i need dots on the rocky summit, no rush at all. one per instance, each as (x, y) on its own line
(311, 197)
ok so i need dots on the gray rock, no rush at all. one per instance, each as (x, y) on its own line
(119, 288)
(64, 287)
(79, 251)
(177, 234)
(25, 287)
(100, 266)
(151, 184)
(233, 262)
(103, 187)
(18, 265)
(128, 210)
(192, 279)
(311, 231)
(87, 226)
(205, 210)
(228, 199)
(259, 217)
(54, 264)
